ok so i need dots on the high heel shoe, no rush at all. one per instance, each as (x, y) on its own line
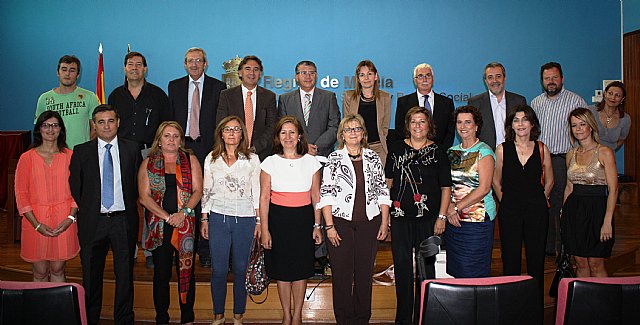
(218, 321)
(237, 321)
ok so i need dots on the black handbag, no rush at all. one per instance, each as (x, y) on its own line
(564, 269)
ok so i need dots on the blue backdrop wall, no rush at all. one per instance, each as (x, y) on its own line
(456, 37)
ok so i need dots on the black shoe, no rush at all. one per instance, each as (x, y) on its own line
(149, 262)
(205, 261)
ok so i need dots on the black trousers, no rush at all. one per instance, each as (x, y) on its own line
(352, 269)
(406, 236)
(110, 232)
(163, 261)
(556, 199)
(201, 152)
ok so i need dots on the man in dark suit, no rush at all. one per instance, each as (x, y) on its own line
(316, 109)
(441, 107)
(193, 102)
(103, 181)
(255, 105)
(494, 104)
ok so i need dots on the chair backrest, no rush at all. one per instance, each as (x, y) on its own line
(42, 303)
(598, 301)
(497, 300)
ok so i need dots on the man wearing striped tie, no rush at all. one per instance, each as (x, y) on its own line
(316, 109)
(552, 108)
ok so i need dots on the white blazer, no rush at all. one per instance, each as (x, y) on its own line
(338, 187)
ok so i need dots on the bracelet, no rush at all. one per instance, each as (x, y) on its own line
(328, 227)
(204, 220)
(187, 210)
(72, 218)
(38, 226)
(167, 220)
(317, 226)
(442, 217)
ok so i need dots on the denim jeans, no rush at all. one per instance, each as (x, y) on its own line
(229, 235)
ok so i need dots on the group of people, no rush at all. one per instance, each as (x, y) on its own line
(223, 167)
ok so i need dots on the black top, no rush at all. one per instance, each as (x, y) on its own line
(418, 176)
(369, 113)
(521, 184)
(170, 200)
(139, 118)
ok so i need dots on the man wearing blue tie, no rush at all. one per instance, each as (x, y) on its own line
(103, 181)
(441, 107)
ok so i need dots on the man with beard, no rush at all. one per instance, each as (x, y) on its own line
(494, 104)
(552, 108)
(73, 103)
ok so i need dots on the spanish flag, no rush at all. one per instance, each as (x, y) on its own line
(100, 78)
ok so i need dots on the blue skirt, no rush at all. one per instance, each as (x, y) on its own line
(469, 249)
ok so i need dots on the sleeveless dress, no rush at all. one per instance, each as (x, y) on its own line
(584, 210)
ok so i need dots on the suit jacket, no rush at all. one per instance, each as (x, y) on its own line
(351, 105)
(324, 117)
(232, 103)
(442, 117)
(179, 107)
(483, 103)
(86, 188)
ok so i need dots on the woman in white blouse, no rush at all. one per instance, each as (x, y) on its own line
(230, 206)
(355, 202)
(289, 191)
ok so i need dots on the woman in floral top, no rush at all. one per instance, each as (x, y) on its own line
(419, 175)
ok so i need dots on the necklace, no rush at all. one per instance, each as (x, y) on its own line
(609, 117)
(463, 148)
(354, 157)
(587, 150)
(422, 146)
(367, 99)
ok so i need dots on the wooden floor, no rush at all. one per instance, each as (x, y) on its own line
(625, 261)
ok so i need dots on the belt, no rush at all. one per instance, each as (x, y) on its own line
(561, 155)
(189, 139)
(112, 213)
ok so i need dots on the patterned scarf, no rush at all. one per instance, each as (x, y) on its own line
(182, 238)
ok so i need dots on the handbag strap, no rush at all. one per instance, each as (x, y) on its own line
(541, 150)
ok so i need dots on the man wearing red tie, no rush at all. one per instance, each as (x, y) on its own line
(255, 105)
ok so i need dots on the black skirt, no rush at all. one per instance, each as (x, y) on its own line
(582, 218)
(291, 255)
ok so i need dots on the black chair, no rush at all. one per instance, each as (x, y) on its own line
(602, 303)
(41, 305)
(500, 300)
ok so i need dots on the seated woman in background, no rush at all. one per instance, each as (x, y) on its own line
(43, 197)
(472, 208)
(589, 197)
(613, 123)
(229, 209)
(170, 186)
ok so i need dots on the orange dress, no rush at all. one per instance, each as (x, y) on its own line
(44, 189)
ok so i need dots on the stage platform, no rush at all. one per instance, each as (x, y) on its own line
(318, 307)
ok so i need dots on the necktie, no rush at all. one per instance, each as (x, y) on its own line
(248, 115)
(426, 103)
(307, 108)
(107, 178)
(194, 119)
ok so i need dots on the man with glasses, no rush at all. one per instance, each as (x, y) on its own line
(255, 105)
(494, 104)
(73, 103)
(316, 109)
(193, 102)
(441, 107)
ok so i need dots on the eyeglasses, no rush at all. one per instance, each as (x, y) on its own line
(357, 129)
(197, 61)
(50, 125)
(229, 129)
(424, 76)
(307, 73)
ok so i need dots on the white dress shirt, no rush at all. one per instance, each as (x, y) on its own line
(254, 98)
(192, 88)
(499, 109)
(118, 199)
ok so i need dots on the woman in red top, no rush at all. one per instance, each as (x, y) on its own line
(49, 233)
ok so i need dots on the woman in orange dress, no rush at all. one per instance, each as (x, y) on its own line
(49, 233)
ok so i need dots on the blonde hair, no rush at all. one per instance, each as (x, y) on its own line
(584, 115)
(155, 147)
(351, 118)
